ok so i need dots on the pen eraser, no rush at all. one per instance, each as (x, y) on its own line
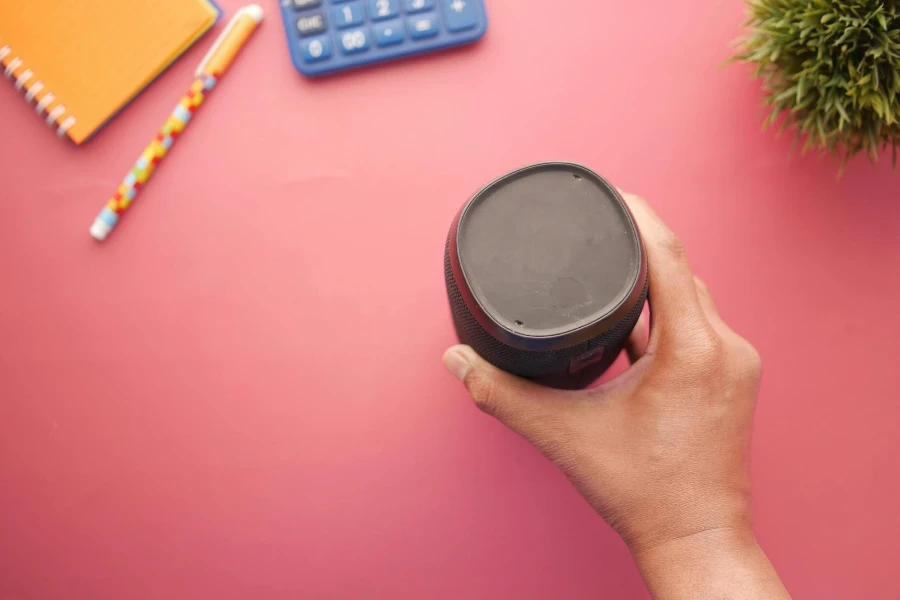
(255, 12)
(99, 230)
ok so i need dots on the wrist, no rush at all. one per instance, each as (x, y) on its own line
(694, 546)
(713, 564)
(687, 517)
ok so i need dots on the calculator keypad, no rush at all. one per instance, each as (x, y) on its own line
(379, 10)
(354, 41)
(311, 24)
(423, 26)
(350, 14)
(460, 15)
(332, 35)
(317, 48)
(414, 6)
(388, 33)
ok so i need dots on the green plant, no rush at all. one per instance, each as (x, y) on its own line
(832, 69)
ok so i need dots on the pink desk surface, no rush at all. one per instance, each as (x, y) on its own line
(240, 395)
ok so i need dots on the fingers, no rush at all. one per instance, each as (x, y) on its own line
(636, 346)
(637, 343)
(705, 298)
(673, 293)
(709, 308)
(529, 409)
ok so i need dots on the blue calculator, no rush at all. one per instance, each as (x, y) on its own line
(326, 36)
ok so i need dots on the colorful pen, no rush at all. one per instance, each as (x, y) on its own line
(211, 69)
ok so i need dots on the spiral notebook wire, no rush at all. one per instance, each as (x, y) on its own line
(80, 62)
(28, 81)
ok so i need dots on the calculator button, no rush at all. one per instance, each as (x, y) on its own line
(311, 24)
(348, 15)
(459, 15)
(303, 4)
(389, 33)
(316, 49)
(353, 41)
(422, 27)
(414, 6)
(382, 9)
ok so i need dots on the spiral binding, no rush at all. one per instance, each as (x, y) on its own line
(33, 89)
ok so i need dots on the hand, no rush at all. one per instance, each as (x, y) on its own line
(662, 451)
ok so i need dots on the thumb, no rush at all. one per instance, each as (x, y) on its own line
(533, 411)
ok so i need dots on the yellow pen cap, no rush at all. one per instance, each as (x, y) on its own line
(231, 41)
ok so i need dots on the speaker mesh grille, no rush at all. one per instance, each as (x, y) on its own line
(530, 363)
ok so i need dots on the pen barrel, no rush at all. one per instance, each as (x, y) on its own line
(151, 156)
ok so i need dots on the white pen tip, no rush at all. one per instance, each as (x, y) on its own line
(99, 230)
(254, 11)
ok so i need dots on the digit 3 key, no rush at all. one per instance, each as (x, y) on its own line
(327, 36)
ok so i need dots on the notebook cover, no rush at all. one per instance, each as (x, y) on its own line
(219, 13)
(89, 59)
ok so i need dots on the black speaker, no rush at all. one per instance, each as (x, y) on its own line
(546, 274)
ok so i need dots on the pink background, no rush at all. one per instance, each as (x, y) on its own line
(240, 394)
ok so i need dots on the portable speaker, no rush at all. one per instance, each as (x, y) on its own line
(546, 274)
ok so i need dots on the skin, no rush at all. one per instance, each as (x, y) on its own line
(661, 452)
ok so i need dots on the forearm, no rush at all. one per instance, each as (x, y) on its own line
(712, 565)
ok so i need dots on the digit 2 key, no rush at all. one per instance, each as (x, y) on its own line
(327, 36)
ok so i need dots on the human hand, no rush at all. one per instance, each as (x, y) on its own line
(662, 451)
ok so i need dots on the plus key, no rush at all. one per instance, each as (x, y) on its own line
(459, 15)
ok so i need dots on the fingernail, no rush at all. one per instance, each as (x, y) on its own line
(458, 360)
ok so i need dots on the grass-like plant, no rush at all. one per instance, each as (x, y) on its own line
(831, 68)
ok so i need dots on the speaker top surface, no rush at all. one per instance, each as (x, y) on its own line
(549, 250)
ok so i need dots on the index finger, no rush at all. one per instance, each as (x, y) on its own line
(673, 294)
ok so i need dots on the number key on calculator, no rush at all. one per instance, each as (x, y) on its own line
(326, 36)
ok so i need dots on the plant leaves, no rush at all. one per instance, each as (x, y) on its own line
(831, 68)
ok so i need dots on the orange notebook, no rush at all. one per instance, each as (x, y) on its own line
(79, 62)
